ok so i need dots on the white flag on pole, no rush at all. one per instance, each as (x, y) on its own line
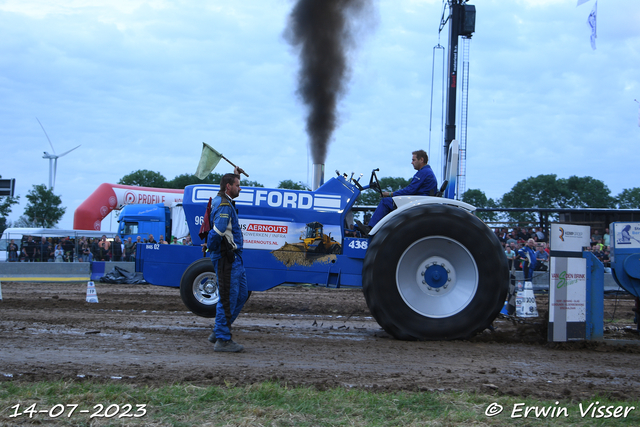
(209, 159)
(591, 21)
(581, 2)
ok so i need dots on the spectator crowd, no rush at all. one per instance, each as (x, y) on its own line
(515, 242)
(83, 249)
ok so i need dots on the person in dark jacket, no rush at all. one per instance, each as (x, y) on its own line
(69, 249)
(45, 250)
(95, 249)
(13, 251)
(116, 249)
(30, 249)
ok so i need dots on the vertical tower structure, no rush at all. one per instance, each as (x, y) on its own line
(462, 20)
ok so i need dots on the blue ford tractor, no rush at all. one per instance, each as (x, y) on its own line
(430, 270)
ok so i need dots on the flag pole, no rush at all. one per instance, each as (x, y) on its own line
(229, 161)
(209, 159)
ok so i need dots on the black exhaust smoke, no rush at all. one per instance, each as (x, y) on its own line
(323, 32)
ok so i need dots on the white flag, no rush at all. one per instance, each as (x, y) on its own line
(581, 2)
(591, 21)
(208, 161)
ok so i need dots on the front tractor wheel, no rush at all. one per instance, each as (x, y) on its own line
(435, 272)
(199, 288)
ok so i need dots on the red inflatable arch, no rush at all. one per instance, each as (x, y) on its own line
(107, 197)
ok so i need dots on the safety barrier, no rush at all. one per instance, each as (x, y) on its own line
(58, 271)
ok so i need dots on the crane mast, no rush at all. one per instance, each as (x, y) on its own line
(461, 18)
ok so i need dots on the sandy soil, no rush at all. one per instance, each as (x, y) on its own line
(299, 335)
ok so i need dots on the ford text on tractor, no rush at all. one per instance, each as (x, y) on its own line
(430, 270)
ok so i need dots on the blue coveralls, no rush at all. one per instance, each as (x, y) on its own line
(421, 185)
(224, 225)
(529, 254)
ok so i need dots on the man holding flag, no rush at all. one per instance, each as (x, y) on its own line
(225, 243)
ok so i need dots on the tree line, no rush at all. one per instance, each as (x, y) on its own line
(43, 209)
(542, 191)
(549, 191)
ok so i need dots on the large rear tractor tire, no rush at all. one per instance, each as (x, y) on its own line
(199, 288)
(435, 272)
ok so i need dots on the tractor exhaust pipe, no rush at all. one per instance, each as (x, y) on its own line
(318, 175)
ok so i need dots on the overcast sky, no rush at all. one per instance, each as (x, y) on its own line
(141, 84)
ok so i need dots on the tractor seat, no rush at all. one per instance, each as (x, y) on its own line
(440, 192)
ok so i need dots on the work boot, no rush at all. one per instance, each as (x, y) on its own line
(212, 338)
(364, 229)
(228, 346)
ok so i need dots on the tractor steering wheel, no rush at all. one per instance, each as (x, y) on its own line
(374, 183)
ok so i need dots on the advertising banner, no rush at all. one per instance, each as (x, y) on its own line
(262, 234)
(568, 299)
(272, 235)
(569, 238)
(146, 196)
(626, 235)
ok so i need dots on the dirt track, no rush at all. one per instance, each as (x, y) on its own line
(298, 335)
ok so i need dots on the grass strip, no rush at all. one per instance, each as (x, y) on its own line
(273, 404)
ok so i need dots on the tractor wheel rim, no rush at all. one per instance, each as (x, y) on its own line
(437, 276)
(205, 289)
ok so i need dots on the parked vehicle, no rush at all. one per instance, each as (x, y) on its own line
(158, 220)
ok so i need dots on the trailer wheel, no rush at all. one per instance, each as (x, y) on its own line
(435, 272)
(199, 288)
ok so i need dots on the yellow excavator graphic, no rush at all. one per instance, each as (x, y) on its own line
(315, 241)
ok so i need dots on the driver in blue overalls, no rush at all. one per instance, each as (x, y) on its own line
(423, 183)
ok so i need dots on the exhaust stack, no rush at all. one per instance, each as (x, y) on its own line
(318, 175)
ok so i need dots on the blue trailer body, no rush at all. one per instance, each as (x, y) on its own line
(625, 256)
(272, 220)
(143, 220)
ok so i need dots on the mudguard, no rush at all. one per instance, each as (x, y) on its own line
(407, 202)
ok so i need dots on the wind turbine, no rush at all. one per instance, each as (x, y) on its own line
(53, 159)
